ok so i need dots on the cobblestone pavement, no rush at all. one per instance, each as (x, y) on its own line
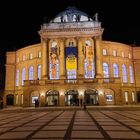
(70, 125)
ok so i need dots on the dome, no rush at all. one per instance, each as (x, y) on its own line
(72, 14)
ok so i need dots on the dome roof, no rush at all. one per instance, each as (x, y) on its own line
(72, 14)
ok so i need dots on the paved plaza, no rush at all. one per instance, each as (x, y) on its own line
(74, 124)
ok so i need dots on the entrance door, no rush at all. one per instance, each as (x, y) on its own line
(138, 96)
(71, 98)
(91, 97)
(52, 98)
(10, 99)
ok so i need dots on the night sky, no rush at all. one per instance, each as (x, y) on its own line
(20, 21)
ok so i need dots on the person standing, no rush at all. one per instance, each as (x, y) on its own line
(84, 105)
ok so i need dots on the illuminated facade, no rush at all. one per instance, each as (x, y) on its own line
(72, 65)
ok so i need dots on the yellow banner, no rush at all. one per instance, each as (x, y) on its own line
(71, 63)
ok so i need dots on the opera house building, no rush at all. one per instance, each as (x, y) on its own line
(72, 65)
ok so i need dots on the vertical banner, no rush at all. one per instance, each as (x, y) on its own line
(89, 68)
(71, 58)
(71, 62)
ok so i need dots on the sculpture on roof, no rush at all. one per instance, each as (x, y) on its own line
(96, 16)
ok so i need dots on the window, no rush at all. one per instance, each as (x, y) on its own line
(114, 53)
(131, 74)
(17, 78)
(133, 97)
(39, 54)
(104, 52)
(106, 71)
(126, 96)
(122, 54)
(30, 56)
(89, 69)
(54, 62)
(23, 76)
(115, 70)
(39, 71)
(31, 73)
(88, 62)
(23, 57)
(124, 74)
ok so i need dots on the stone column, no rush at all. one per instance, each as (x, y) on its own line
(44, 70)
(98, 57)
(62, 66)
(80, 60)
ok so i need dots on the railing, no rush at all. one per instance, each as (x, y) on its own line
(74, 81)
(65, 25)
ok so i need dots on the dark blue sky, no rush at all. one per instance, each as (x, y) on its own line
(20, 20)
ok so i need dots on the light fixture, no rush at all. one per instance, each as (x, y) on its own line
(101, 92)
(42, 94)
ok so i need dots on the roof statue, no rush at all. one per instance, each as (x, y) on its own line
(96, 16)
(72, 14)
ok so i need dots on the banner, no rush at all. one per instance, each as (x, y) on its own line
(71, 62)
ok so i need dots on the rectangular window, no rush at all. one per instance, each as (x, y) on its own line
(114, 53)
(104, 52)
(133, 96)
(23, 58)
(126, 96)
(30, 56)
(39, 54)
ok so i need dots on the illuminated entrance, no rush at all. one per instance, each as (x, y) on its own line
(52, 98)
(71, 98)
(91, 97)
(10, 99)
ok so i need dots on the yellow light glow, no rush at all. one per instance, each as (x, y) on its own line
(42, 94)
(101, 92)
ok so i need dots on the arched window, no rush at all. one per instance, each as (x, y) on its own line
(17, 78)
(131, 74)
(31, 73)
(106, 71)
(54, 62)
(115, 70)
(39, 71)
(23, 75)
(88, 62)
(124, 74)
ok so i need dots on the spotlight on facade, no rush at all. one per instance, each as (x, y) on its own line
(101, 92)
(42, 94)
(81, 93)
(61, 94)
